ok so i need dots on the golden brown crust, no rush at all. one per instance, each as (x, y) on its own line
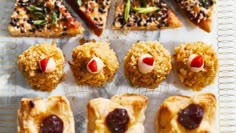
(196, 80)
(166, 120)
(28, 64)
(160, 71)
(81, 56)
(33, 111)
(171, 21)
(22, 23)
(99, 108)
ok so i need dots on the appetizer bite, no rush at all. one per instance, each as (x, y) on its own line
(196, 64)
(94, 63)
(51, 115)
(93, 12)
(123, 113)
(43, 18)
(182, 114)
(144, 15)
(42, 66)
(147, 64)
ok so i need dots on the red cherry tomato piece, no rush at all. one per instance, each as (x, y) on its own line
(149, 61)
(197, 61)
(93, 66)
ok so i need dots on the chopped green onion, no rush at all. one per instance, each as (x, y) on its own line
(54, 18)
(143, 3)
(146, 9)
(79, 2)
(127, 10)
(34, 8)
(40, 22)
(40, 14)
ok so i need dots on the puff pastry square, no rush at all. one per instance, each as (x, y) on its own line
(167, 116)
(33, 112)
(98, 109)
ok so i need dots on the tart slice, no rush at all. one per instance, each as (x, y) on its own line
(121, 114)
(51, 115)
(144, 15)
(93, 12)
(182, 114)
(43, 18)
(199, 12)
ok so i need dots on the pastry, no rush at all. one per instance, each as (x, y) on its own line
(51, 115)
(144, 15)
(93, 12)
(43, 18)
(147, 64)
(199, 12)
(182, 114)
(121, 114)
(196, 64)
(94, 63)
(42, 65)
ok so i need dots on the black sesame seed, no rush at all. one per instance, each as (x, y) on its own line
(99, 25)
(101, 10)
(95, 19)
(63, 33)
(128, 25)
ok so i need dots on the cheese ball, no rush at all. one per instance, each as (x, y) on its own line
(147, 64)
(94, 64)
(42, 66)
(196, 64)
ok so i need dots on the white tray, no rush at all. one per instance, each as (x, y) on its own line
(13, 86)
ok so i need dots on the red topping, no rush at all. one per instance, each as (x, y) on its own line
(149, 61)
(43, 64)
(197, 61)
(93, 66)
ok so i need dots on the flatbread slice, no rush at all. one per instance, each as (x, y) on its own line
(199, 12)
(43, 18)
(144, 15)
(93, 12)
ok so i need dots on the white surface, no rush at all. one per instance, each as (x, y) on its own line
(13, 86)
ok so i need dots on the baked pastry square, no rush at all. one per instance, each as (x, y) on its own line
(121, 114)
(144, 15)
(182, 114)
(93, 12)
(51, 115)
(43, 18)
(199, 12)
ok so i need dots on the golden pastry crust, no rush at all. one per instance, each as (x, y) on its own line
(166, 121)
(33, 111)
(161, 69)
(99, 108)
(164, 18)
(28, 64)
(81, 56)
(23, 20)
(196, 80)
(198, 14)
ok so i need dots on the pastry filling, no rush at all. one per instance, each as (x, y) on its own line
(196, 63)
(191, 117)
(142, 13)
(146, 63)
(197, 10)
(47, 65)
(95, 65)
(117, 121)
(52, 124)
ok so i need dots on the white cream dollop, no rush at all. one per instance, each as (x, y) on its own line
(194, 69)
(99, 64)
(143, 67)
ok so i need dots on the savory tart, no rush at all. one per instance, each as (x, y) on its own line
(43, 66)
(51, 115)
(144, 15)
(182, 114)
(199, 12)
(94, 63)
(147, 64)
(123, 113)
(43, 18)
(93, 12)
(196, 64)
